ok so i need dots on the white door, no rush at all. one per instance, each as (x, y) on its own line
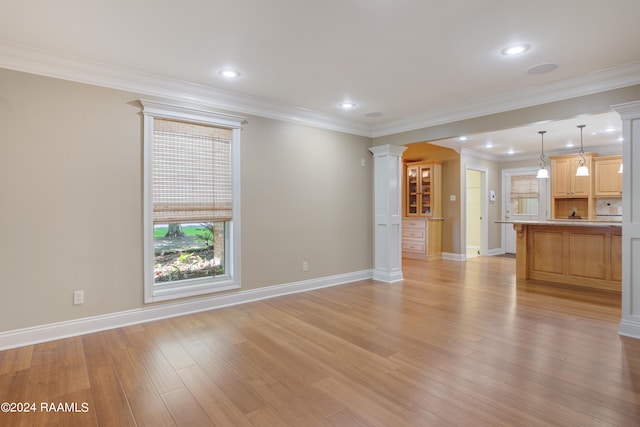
(525, 199)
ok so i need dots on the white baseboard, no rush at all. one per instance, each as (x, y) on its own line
(54, 331)
(496, 251)
(463, 257)
(629, 329)
(383, 276)
(453, 257)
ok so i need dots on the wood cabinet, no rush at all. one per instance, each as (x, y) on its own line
(414, 238)
(422, 189)
(564, 182)
(421, 238)
(570, 193)
(607, 180)
(588, 256)
(422, 208)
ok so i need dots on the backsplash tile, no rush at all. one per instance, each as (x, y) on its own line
(609, 207)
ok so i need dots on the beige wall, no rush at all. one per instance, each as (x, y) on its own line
(71, 216)
(305, 197)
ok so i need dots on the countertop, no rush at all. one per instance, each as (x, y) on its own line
(429, 218)
(568, 222)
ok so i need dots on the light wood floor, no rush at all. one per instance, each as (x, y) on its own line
(455, 344)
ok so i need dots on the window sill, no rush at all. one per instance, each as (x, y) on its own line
(189, 288)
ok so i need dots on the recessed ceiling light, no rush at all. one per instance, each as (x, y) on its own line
(463, 138)
(489, 145)
(228, 73)
(515, 49)
(511, 151)
(347, 105)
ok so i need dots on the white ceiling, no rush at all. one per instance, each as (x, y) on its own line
(602, 134)
(418, 62)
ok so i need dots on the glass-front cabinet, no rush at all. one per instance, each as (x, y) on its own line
(420, 189)
(422, 222)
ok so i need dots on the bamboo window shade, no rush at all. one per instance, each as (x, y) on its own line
(191, 172)
(524, 187)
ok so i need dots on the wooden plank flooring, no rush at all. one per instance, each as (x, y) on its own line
(458, 343)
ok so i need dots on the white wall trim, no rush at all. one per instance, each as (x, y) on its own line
(63, 67)
(104, 75)
(587, 84)
(630, 328)
(59, 330)
(382, 276)
(453, 256)
(496, 251)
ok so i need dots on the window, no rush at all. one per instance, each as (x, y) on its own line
(191, 202)
(524, 194)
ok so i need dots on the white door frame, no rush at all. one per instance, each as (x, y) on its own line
(544, 200)
(484, 212)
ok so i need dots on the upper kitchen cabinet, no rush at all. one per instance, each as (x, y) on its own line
(564, 182)
(607, 176)
(571, 195)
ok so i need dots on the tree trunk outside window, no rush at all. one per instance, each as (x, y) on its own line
(175, 230)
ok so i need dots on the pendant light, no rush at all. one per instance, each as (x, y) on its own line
(543, 172)
(582, 169)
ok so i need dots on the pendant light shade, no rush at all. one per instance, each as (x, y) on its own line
(542, 172)
(582, 169)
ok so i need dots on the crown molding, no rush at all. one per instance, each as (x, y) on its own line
(467, 153)
(587, 84)
(67, 68)
(72, 69)
(629, 110)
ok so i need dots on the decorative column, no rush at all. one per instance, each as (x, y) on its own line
(387, 200)
(630, 323)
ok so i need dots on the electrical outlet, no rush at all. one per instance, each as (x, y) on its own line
(78, 297)
(305, 266)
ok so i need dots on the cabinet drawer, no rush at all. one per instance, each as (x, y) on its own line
(413, 234)
(414, 247)
(414, 224)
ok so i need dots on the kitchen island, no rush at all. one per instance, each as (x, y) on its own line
(572, 252)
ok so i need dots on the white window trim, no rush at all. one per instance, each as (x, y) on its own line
(193, 287)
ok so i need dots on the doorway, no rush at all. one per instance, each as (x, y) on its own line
(525, 199)
(475, 207)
